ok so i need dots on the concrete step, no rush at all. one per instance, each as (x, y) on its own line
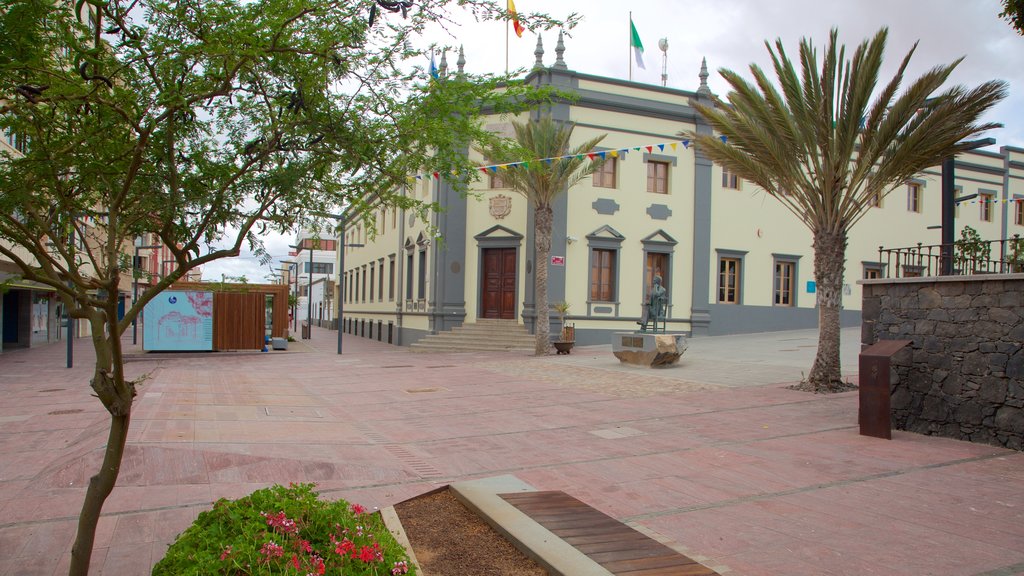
(488, 335)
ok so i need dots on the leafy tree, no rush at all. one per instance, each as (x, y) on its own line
(541, 183)
(1013, 12)
(824, 149)
(198, 122)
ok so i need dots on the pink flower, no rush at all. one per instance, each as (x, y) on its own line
(281, 523)
(344, 547)
(226, 553)
(271, 550)
(305, 546)
(357, 509)
(400, 568)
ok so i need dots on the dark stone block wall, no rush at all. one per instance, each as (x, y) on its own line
(963, 376)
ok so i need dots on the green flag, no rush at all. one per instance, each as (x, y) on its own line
(638, 46)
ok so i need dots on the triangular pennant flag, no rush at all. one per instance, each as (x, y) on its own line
(549, 161)
(503, 166)
(590, 155)
(419, 177)
(649, 149)
(437, 175)
(494, 168)
(661, 147)
(526, 165)
(673, 145)
(637, 148)
(723, 138)
(579, 156)
(614, 153)
(603, 155)
(686, 144)
(483, 169)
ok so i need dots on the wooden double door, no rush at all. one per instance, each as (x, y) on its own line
(498, 292)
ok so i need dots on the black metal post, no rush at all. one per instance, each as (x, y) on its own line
(948, 210)
(309, 297)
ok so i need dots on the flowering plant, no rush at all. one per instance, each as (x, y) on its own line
(280, 530)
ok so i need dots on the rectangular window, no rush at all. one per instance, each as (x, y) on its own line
(394, 218)
(604, 177)
(729, 281)
(391, 278)
(913, 197)
(785, 277)
(872, 272)
(364, 284)
(421, 289)
(657, 177)
(730, 180)
(656, 265)
(497, 180)
(986, 201)
(875, 201)
(602, 276)
(408, 276)
(373, 273)
(380, 280)
(320, 267)
(1018, 211)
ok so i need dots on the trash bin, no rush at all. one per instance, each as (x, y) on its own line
(305, 330)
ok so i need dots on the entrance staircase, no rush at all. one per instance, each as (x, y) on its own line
(485, 334)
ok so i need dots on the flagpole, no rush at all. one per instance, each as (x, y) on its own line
(506, 47)
(629, 45)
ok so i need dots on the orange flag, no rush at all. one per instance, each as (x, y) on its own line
(515, 19)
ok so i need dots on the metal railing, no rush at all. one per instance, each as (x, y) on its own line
(927, 260)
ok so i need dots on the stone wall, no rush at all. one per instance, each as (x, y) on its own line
(963, 376)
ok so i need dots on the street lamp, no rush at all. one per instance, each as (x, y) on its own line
(949, 202)
(135, 287)
(341, 219)
(293, 273)
(308, 334)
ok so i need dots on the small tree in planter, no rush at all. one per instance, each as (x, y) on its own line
(567, 338)
(973, 252)
(1016, 259)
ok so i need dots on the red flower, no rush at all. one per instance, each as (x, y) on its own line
(295, 561)
(357, 509)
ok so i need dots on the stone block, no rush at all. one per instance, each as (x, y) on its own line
(279, 343)
(647, 349)
(1003, 316)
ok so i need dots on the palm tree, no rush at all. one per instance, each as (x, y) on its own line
(824, 149)
(541, 182)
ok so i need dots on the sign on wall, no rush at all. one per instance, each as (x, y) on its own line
(558, 260)
(178, 320)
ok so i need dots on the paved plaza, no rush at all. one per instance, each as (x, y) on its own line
(716, 457)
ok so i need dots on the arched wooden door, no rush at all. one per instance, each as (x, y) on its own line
(498, 289)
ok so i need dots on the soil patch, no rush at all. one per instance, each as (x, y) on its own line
(450, 540)
(836, 388)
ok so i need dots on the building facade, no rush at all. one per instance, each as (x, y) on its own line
(732, 258)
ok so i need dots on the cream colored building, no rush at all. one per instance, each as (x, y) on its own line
(733, 259)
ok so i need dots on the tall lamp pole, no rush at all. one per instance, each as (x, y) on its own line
(342, 222)
(949, 203)
(307, 244)
(135, 288)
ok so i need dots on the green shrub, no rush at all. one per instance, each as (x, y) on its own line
(280, 530)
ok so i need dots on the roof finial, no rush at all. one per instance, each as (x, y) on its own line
(461, 62)
(442, 70)
(704, 90)
(559, 51)
(539, 53)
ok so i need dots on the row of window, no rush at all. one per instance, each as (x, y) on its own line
(986, 201)
(607, 175)
(366, 283)
(604, 271)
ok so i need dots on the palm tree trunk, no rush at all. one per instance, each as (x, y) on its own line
(829, 265)
(542, 231)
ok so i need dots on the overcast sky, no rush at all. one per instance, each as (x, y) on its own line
(731, 34)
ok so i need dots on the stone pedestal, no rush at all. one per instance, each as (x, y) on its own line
(646, 349)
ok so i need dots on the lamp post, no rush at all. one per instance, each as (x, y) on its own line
(341, 219)
(949, 202)
(293, 274)
(135, 287)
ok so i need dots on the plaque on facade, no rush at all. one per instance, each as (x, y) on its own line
(501, 206)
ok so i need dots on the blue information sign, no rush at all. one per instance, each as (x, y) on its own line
(811, 287)
(178, 320)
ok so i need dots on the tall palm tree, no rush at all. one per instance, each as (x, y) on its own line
(824, 149)
(541, 182)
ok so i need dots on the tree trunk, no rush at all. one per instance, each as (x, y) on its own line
(117, 395)
(829, 265)
(542, 233)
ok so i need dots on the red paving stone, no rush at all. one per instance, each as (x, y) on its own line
(749, 477)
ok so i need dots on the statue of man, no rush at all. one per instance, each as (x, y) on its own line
(656, 301)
